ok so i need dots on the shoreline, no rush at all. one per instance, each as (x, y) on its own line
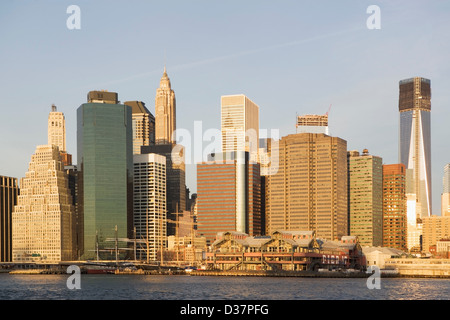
(218, 273)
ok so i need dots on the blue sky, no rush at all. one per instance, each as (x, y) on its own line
(289, 57)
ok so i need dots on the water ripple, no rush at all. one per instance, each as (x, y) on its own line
(133, 287)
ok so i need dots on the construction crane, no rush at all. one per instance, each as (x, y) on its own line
(328, 110)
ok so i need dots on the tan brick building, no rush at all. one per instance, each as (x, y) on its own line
(43, 221)
(309, 189)
(434, 229)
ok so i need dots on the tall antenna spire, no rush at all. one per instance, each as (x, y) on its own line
(165, 58)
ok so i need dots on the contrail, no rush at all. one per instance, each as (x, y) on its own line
(230, 56)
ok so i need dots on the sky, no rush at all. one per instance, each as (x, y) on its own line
(289, 57)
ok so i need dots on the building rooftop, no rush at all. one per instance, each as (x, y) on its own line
(384, 250)
(137, 107)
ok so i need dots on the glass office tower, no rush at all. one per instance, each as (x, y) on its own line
(415, 139)
(105, 163)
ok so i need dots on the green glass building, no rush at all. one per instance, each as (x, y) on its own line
(105, 164)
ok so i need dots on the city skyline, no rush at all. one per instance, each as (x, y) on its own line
(302, 52)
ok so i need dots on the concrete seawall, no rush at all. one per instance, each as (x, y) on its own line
(306, 274)
(420, 268)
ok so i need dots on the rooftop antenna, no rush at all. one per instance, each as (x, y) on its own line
(165, 59)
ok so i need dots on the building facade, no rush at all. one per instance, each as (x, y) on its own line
(57, 134)
(312, 123)
(394, 207)
(415, 139)
(105, 171)
(9, 191)
(143, 125)
(443, 248)
(43, 221)
(434, 229)
(365, 197)
(309, 189)
(175, 178)
(228, 195)
(240, 125)
(57, 129)
(165, 112)
(149, 213)
(445, 197)
(283, 250)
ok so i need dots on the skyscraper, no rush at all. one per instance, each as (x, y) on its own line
(394, 206)
(175, 177)
(165, 112)
(143, 125)
(105, 170)
(228, 195)
(413, 222)
(445, 197)
(309, 189)
(9, 191)
(165, 139)
(365, 197)
(57, 129)
(415, 139)
(150, 215)
(57, 134)
(43, 225)
(240, 125)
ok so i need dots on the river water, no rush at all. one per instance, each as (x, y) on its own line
(158, 287)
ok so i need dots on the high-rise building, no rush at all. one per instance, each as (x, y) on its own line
(43, 219)
(413, 222)
(394, 206)
(365, 197)
(312, 123)
(165, 112)
(445, 197)
(269, 163)
(57, 129)
(309, 189)
(72, 175)
(105, 171)
(415, 139)
(240, 125)
(228, 195)
(434, 228)
(414, 238)
(9, 191)
(143, 125)
(150, 215)
(57, 134)
(175, 177)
